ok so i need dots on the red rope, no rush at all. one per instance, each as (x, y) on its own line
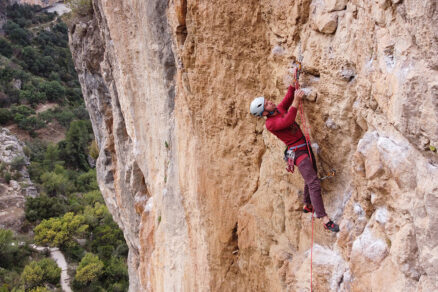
(311, 257)
(306, 135)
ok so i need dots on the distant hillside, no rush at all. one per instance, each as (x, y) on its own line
(39, 91)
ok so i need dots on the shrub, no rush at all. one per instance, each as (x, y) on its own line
(17, 34)
(93, 150)
(18, 162)
(40, 272)
(87, 181)
(55, 183)
(116, 271)
(92, 197)
(37, 149)
(43, 207)
(65, 117)
(7, 176)
(53, 90)
(74, 251)
(74, 149)
(60, 231)
(31, 123)
(5, 48)
(33, 97)
(22, 110)
(8, 246)
(5, 116)
(89, 270)
(80, 7)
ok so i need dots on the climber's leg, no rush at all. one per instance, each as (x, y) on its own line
(314, 186)
(306, 197)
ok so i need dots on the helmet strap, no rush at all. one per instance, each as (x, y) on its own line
(273, 112)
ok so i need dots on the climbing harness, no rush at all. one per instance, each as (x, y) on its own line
(289, 156)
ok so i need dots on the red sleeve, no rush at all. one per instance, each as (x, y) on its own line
(282, 123)
(287, 100)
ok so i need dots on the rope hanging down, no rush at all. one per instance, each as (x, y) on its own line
(306, 135)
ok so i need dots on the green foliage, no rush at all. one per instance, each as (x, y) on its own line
(74, 151)
(23, 110)
(37, 149)
(92, 197)
(33, 96)
(116, 272)
(30, 123)
(80, 7)
(87, 181)
(39, 272)
(18, 162)
(5, 116)
(53, 90)
(11, 254)
(7, 176)
(5, 48)
(16, 34)
(8, 246)
(40, 289)
(56, 182)
(60, 231)
(96, 215)
(73, 252)
(43, 207)
(93, 150)
(89, 270)
(51, 158)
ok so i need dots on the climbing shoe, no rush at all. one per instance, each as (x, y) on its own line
(308, 209)
(332, 226)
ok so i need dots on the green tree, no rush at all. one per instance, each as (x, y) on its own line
(56, 183)
(31, 123)
(5, 116)
(23, 110)
(60, 231)
(116, 271)
(32, 96)
(87, 181)
(43, 207)
(18, 162)
(53, 90)
(75, 152)
(32, 275)
(5, 48)
(39, 272)
(8, 246)
(17, 34)
(96, 215)
(51, 158)
(89, 270)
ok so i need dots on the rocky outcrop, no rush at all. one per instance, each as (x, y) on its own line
(199, 186)
(15, 184)
(42, 3)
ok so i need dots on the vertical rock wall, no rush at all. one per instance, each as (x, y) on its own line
(199, 186)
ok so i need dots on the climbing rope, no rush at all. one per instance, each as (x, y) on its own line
(311, 255)
(306, 135)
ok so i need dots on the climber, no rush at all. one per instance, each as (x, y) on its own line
(281, 123)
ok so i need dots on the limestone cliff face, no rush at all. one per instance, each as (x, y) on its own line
(199, 186)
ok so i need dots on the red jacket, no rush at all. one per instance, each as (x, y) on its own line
(283, 125)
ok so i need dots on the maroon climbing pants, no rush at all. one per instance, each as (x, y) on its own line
(312, 187)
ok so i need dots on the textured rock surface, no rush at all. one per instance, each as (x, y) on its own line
(13, 194)
(199, 186)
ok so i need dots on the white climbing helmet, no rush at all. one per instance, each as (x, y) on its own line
(257, 106)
